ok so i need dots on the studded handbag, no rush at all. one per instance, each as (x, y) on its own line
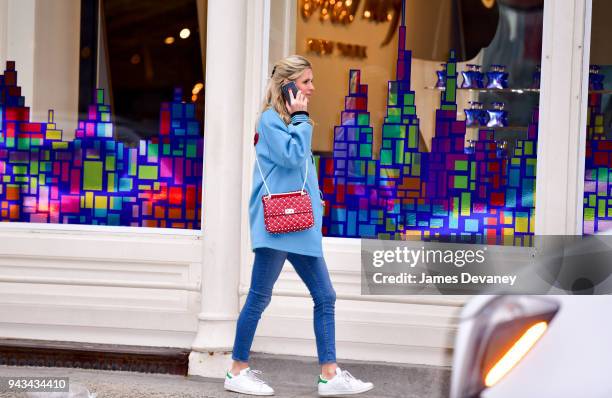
(288, 211)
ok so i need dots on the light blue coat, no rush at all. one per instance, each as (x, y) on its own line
(282, 152)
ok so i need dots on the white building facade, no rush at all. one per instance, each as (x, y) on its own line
(181, 288)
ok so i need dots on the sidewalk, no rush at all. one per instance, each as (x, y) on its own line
(397, 381)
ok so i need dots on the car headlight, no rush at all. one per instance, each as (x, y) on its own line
(494, 337)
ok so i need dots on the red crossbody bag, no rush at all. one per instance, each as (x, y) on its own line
(287, 211)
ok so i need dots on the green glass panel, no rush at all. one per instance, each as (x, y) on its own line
(92, 176)
(147, 172)
(461, 182)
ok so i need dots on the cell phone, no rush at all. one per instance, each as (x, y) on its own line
(285, 89)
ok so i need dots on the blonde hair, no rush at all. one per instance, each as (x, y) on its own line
(285, 70)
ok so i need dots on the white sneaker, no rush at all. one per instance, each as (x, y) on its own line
(342, 384)
(247, 382)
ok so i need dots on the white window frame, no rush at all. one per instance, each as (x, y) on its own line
(563, 116)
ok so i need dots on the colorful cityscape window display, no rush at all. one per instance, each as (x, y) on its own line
(478, 193)
(95, 179)
(597, 202)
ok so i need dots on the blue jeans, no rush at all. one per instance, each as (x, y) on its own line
(266, 269)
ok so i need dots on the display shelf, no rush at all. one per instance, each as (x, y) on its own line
(491, 90)
(518, 129)
(508, 90)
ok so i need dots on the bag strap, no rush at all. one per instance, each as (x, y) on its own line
(264, 179)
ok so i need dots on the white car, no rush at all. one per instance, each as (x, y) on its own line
(519, 346)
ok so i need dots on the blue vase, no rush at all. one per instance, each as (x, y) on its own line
(497, 77)
(498, 117)
(441, 83)
(501, 151)
(470, 149)
(472, 77)
(474, 115)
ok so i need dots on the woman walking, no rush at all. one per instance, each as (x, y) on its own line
(283, 146)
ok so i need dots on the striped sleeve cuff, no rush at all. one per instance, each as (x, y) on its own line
(299, 117)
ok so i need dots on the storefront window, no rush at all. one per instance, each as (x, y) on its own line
(412, 138)
(135, 158)
(598, 161)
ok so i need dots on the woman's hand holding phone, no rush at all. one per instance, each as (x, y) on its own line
(299, 102)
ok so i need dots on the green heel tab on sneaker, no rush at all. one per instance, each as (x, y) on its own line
(322, 380)
(229, 374)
